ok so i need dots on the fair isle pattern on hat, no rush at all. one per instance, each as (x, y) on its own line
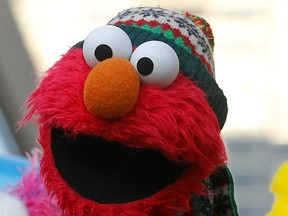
(186, 38)
(182, 28)
(204, 26)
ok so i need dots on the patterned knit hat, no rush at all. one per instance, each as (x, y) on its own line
(190, 37)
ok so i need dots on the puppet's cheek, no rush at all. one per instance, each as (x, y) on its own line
(11, 206)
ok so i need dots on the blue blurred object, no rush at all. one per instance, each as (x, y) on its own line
(11, 169)
(8, 144)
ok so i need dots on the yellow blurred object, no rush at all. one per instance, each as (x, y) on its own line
(279, 187)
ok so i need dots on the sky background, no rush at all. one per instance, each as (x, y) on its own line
(250, 51)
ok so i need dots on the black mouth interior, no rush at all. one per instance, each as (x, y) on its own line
(110, 172)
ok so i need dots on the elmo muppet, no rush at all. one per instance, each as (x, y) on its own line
(130, 119)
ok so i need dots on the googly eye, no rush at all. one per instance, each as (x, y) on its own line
(156, 63)
(106, 42)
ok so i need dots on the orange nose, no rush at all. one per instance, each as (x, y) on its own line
(111, 89)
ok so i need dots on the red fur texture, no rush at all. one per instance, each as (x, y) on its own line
(176, 120)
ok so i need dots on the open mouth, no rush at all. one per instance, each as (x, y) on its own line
(110, 172)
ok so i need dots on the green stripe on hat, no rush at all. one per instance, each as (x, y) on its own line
(190, 65)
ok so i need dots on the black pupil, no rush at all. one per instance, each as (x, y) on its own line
(103, 52)
(145, 66)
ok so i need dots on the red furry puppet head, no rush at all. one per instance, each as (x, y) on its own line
(130, 118)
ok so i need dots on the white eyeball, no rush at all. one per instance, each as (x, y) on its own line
(106, 42)
(156, 63)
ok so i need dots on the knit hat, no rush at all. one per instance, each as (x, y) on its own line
(192, 39)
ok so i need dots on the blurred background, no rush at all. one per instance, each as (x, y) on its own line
(250, 56)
